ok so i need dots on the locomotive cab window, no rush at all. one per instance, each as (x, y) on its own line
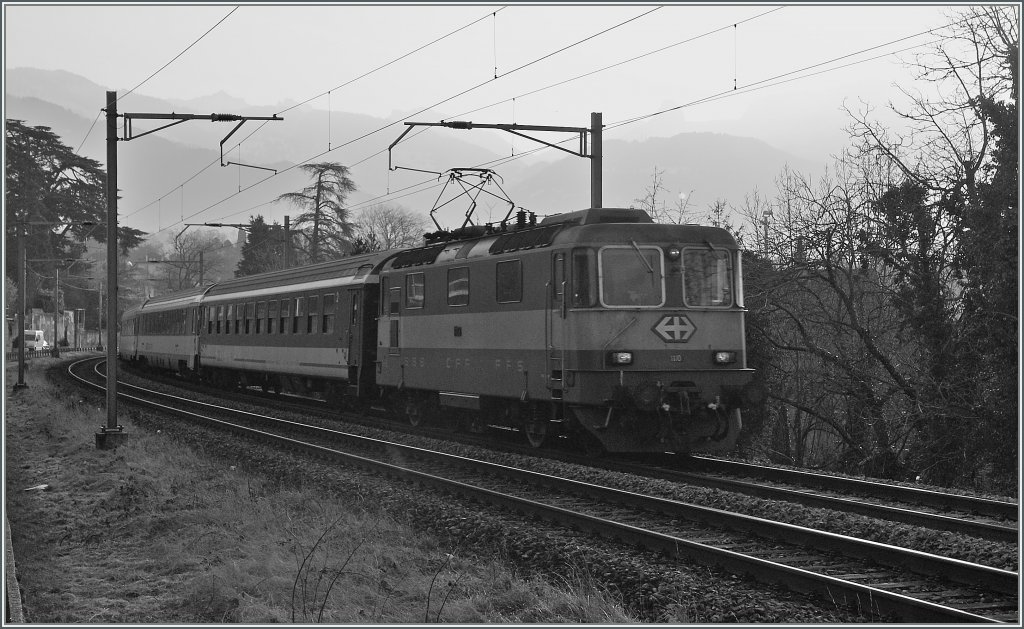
(584, 278)
(631, 276)
(707, 277)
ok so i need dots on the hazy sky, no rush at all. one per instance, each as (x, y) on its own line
(272, 56)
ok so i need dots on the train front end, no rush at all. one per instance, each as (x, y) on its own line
(646, 337)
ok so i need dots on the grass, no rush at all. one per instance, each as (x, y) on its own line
(155, 532)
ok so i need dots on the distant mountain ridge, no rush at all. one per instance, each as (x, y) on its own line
(174, 175)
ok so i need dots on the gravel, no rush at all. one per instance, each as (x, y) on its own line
(655, 588)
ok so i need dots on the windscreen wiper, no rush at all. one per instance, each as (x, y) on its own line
(650, 269)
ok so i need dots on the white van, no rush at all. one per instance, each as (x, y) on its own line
(35, 340)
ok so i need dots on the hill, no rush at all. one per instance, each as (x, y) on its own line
(174, 175)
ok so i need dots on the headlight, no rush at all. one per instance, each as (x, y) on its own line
(724, 358)
(620, 358)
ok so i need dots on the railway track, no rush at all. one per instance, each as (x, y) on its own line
(875, 578)
(966, 515)
(1005, 510)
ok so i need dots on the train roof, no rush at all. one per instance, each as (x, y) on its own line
(593, 225)
(170, 301)
(352, 270)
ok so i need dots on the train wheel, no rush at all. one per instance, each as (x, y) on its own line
(413, 411)
(536, 430)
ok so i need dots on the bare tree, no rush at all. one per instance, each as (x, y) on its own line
(195, 258)
(947, 227)
(382, 227)
(845, 378)
(656, 206)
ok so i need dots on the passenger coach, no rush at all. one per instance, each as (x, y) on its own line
(304, 330)
(163, 331)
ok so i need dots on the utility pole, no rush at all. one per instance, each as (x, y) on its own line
(22, 306)
(55, 350)
(77, 325)
(99, 318)
(287, 243)
(595, 152)
(112, 434)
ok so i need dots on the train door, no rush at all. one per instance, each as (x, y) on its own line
(394, 309)
(555, 328)
(361, 310)
(355, 331)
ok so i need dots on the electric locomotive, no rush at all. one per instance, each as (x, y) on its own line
(598, 325)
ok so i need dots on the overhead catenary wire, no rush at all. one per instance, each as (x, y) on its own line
(742, 90)
(312, 98)
(755, 86)
(614, 65)
(462, 93)
(161, 69)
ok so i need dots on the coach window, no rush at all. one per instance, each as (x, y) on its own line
(300, 312)
(261, 314)
(707, 277)
(631, 276)
(239, 317)
(414, 290)
(584, 278)
(508, 281)
(271, 315)
(286, 310)
(250, 314)
(312, 313)
(229, 318)
(330, 305)
(458, 286)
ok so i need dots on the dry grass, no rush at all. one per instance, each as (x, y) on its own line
(155, 532)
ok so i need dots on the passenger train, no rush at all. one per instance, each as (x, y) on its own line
(599, 326)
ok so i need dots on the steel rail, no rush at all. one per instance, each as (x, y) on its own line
(970, 504)
(800, 579)
(981, 529)
(957, 570)
(985, 530)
